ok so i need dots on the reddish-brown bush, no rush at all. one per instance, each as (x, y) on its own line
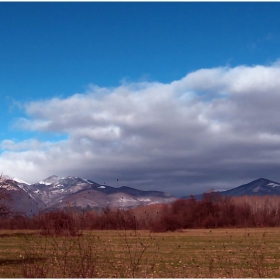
(57, 223)
(212, 211)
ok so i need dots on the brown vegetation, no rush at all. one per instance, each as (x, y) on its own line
(212, 211)
(63, 247)
(216, 211)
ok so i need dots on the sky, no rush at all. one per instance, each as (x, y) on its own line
(178, 97)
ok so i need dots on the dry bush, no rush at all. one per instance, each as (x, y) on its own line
(60, 257)
(57, 223)
(216, 211)
(19, 222)
(212, 211)
(89, 256)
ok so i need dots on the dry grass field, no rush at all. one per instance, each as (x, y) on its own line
(239, 253)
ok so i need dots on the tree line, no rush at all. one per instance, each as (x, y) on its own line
(212, 211)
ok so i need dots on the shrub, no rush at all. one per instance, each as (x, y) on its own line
(57, 223)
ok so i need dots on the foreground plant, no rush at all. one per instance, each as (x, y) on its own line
(62, 251)
(52, 256)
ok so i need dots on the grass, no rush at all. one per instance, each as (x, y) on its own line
(238, 253)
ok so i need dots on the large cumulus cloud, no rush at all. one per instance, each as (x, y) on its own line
(214, 128)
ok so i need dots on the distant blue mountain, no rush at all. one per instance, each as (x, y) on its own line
(259, 187)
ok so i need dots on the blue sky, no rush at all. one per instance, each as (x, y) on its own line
(50, 52)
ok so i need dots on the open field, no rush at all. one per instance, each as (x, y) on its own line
(189, 253)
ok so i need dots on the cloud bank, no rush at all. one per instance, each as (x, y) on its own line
(214, 128)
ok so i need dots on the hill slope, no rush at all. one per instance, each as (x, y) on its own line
(259, 187)
(59, 192)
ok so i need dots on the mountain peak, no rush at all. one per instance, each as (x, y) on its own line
(259, 187)
(261, 179)
(20, 181)
(52, 177)
(50, 180)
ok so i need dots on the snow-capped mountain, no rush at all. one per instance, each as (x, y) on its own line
(59, 192)
(53, 190)
(20, 199)
(20, 181)
(50, 180)
(259, 187)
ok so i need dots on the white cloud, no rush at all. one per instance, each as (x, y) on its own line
(214, 125)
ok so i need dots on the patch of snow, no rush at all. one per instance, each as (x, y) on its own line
(9, 187)
(102, 187)
(256, 189)
(20, 181)
(144, 199)
(87, 181)
(153, 202)
(44, 183)
(273, 185)
(57, 191)
(77, 188)
(126, 199)
(80, 184)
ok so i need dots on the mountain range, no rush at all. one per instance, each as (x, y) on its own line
(259, 187)
(58, 192)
